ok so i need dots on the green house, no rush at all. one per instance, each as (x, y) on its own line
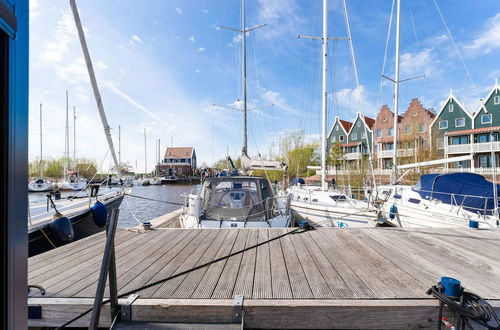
(338, 133)
(361, 134)
(451, 117)
(489, 113)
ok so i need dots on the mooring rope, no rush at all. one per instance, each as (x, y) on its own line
(156, 200)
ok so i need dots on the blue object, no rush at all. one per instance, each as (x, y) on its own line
(473, 224)
(304, 224)
(342, 224)
(479, 191)
(62, 230)
(392, 211)
(451, 286)
(297, 180)
(99, 214)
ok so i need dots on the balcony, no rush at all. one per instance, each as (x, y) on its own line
(476, 147)
(352, 156)
(401, 153)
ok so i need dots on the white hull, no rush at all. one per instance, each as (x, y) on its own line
(190, 222)
(65, 185)
(35, 186)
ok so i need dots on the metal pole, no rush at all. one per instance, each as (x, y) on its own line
(324, 99)
(145, 157)
(66, 140)
(74, 137)
(119, 145)
(244, 76)
(106, 258)
(494, 165)
(40, 170)
(95, 88)
(396, 96)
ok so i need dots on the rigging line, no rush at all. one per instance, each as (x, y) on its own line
(413, 25)
(88, 182)
(456, 48)
(385, 55)
(163, 280)
(358, 88)
(155, 200)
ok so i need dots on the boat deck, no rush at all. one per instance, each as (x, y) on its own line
(324, 278)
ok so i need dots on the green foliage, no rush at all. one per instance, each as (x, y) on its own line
(53, 168)
(273, 175)
(87, 170)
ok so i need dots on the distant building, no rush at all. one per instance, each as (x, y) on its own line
(179, 161)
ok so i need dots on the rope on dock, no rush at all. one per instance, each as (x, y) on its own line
(155, 200)
(297, 230)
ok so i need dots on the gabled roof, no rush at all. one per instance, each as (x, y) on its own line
(495, 87)
(179, 152)
(370, 122)
(344, 124)
(385, 106)
(451, 97)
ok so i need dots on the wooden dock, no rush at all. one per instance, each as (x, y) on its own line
(324, 278)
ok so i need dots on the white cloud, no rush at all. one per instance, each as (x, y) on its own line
(34, 12)
(197, 70)
(204, 11)
(178, 10)
(489, 38)
(276, 99)
(348, 99)
(201, 49)
(191, 38)
(414, 64)
(56, 48)
(282, 15)
(175, 37)
(136, 38)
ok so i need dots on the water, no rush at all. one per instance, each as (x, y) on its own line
(134, 210)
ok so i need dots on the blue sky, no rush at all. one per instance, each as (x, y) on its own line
(161, 65)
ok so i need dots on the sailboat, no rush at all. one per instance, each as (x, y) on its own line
(321, 205)
(40, 184)
(71, 178)
(446, 200)
(239, 201)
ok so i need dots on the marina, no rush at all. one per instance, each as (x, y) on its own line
(332, 275)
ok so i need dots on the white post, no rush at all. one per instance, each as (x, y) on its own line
(119, 145)
(494, 165)
(66, 140)
(145, 154)
(74, 137)
(324, 98)
(93, 82)
(244, 76)
(396, 96)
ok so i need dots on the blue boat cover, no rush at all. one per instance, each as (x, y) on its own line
(297, 180)
(470, 190)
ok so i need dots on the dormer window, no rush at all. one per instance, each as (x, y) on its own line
(358, 124)
(496, 100)
(450, 107)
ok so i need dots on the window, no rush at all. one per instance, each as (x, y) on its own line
(337, 128)
(384, 120)
(443, 124)
(341, 138)
(454, 140)
(485, 161)
(334, 139)
(379, 132)
(425, 144)
(358, 124)
(354, 136)
(407, 129)
(363, 135)
(389, 131)
(496, 100)
(388, 146)
(376, 148)
(486, 119)
(440, 143)
(450, 107)
(414, 114)
(486, 138)
(421, 128)
(460, 122)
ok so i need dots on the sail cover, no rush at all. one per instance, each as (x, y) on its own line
(470, 190)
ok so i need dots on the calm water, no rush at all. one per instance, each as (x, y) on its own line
(134, 210)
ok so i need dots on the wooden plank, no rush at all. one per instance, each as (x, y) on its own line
(342, 266)
(262, 287)
(338, 287)
(224, 288)
(147, 268)
(245, 277)
(279, 274)
(193, 279)
(87, 275)
(171, 261)
(298, 280)
(201, 255)
(212, 276)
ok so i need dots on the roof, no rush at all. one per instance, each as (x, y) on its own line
(474, 131)
(179, 152)
(350, 144)
(347, 124)
(369, 121)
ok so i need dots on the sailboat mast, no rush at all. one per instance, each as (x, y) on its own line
(324, 99)
(40, 169)
(66, 140)
(74, 137)
(145, 157)
(396, 96)
(244, 76)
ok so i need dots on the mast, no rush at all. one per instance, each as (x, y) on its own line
(95, 88)
(40, 169)
(145, 157)
(324, 185)
(159, 152)
(66, 140)
(244, 76)
(74, 138)
(396, 97)
(119, 145)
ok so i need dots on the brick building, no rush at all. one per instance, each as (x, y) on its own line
(179, 161)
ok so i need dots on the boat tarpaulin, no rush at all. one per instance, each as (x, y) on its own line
(470, 190)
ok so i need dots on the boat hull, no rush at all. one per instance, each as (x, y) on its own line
(280, 221)
(42, 239)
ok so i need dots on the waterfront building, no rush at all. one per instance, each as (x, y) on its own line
(359, 141)
(178, 161)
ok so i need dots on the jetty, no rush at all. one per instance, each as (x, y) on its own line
(315, 279)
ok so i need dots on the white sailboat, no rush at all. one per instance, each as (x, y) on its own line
(40, 184)
(447, 200)
(321, 205)
(71, 178)
(239, 201)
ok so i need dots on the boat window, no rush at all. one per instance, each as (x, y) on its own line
(315, 200)
(414, 200)
(338, 197)
(397, 196)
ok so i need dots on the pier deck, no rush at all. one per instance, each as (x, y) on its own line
(325, 278)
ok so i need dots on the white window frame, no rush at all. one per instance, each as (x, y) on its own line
(486, 115)
(341, 138)
(390, 131)
(363, 135)
(337, 128)
(456, 124)
(496, 99)
(358, 124)
(414, 114)
(451, 108)
(354, 136)
(334, 139)
(442, 122)
(407, 129)
(424, 128)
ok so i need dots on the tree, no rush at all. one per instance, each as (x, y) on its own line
(53, 168)
(336, 155)
(87, 170)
